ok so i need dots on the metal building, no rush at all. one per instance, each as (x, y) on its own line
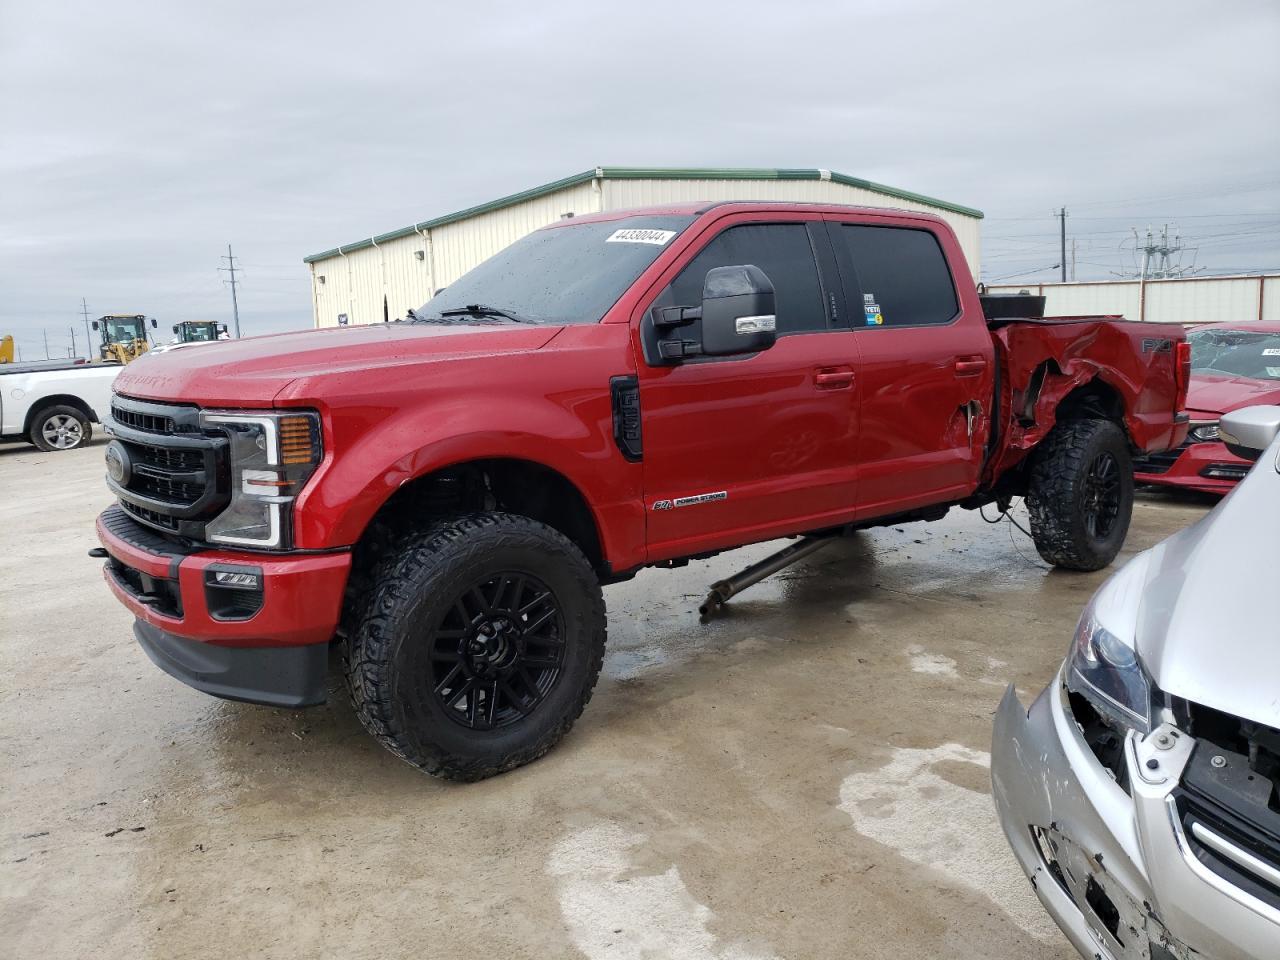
(380, 278)
(1184, 300)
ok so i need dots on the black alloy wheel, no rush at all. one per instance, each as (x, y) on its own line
(498, 651)
(474, 643)
(1101, 496)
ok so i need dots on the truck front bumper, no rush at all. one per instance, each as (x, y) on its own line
(1114, 869)
(244, 626)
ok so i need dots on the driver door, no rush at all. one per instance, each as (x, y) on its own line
(753, 446)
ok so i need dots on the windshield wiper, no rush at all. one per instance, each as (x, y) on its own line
(481, 310)
(414, 317)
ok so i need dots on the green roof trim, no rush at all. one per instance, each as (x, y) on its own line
(647, 173)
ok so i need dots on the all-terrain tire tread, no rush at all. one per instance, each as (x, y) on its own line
(368, 652)
(1057, 468)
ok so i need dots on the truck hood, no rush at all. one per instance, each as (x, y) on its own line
(251, 372)
(1207, 622)
(1213, 393)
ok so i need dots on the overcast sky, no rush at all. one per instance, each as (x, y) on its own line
(137, 140)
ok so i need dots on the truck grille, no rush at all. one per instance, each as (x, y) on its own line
(175, 477)
(146, 422)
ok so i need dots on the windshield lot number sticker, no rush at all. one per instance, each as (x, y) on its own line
(659, 238)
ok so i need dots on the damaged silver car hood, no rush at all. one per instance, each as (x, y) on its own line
(1209, 625)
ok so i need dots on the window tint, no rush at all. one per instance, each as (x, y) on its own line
(782, 251)
(903, 276)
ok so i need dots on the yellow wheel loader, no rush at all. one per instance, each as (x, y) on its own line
(123, 337)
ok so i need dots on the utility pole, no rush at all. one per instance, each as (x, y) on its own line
(1073, 259)
(75, 352)
(46, 342)
(231, 269)
(1062, 219)
(88, 340)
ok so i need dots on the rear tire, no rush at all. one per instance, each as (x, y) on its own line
(1080, 494)
(59, 428)
(478, 646)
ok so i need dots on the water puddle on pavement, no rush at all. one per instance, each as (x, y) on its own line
(907, 804)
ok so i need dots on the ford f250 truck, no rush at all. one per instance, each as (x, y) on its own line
(445, 496)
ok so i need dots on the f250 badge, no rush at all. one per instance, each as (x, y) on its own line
(691, 501)
(1152, 345)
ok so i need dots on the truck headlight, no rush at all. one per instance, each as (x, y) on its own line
(272, 455)
(1103, 665)
(1203, 432)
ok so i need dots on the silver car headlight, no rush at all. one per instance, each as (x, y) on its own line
(1103, 665)
(1203, 432)
(272, 455)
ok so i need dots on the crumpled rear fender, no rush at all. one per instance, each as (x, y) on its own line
(1043, 363)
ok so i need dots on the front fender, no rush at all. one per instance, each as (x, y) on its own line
(376, 454)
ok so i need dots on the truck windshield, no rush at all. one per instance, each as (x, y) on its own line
(564, 274)
(1237, 353)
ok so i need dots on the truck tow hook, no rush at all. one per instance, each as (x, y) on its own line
(723, 590)
(99, 553)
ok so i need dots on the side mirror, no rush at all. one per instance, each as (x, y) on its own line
(1248, 432)
(222, 328)
(175, 328)
(737, 314)
(737, 311)
(95, 324)
(153, 322)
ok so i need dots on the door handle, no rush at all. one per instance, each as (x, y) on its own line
(970, 366)
(832, 378)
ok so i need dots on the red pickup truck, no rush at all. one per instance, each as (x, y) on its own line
(445, 496)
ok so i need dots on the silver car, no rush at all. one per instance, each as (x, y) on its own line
(1141, 791)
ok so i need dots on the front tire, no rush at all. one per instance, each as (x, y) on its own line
(479, 645)
(1080, 494)
(59, 428)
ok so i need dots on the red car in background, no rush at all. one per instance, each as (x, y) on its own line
(1232, 366)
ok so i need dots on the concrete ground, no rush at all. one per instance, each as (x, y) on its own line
(805, 778)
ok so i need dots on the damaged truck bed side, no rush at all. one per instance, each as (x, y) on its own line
(446, 496)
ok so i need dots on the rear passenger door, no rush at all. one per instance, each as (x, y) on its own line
(747, 447)
(925, 367)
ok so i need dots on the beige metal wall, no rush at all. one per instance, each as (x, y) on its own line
(621, 194)
(356, 283)
(1192, 300)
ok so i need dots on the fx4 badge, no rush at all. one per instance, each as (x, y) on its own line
(1152, 345)
(690, 501)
